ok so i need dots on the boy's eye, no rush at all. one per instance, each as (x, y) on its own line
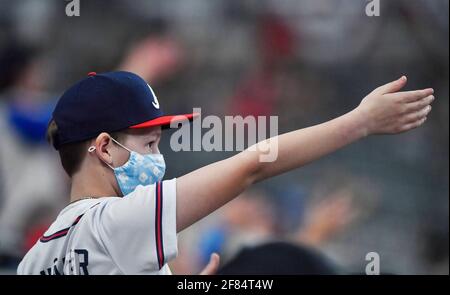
(150, 144)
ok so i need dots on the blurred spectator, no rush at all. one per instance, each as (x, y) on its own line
(30, 174)
(434, 245)
(279, 258)
(330, 32)
(257, 221)
(153, 58)
(327, 218)
(249, 230)
(258, 94)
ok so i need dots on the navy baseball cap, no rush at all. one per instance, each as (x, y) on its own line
(108, 102)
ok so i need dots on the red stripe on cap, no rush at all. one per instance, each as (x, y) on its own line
(165, 120)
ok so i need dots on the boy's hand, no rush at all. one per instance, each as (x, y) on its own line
(387, 111)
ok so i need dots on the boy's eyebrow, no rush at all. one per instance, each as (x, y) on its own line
(156, 133)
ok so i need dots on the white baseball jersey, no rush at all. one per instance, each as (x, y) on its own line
(135, 234)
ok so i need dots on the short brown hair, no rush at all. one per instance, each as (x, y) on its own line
(72, 154)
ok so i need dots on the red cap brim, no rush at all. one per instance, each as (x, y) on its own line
(165, 120)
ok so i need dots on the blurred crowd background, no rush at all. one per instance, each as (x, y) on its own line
(305, 61)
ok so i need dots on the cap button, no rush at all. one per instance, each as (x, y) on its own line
(92, 74)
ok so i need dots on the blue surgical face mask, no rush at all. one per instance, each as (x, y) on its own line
(138, 170)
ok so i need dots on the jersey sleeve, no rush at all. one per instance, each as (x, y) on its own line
(139, 230)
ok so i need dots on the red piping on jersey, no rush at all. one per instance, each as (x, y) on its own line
(63, 232)
(158, 225)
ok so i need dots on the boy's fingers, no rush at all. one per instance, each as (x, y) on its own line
(412, 96)
(212, 266)
(413, 125)
(418, 115)
(393, 86)
(420, 104)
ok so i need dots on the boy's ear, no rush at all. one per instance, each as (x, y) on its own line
(103, 145)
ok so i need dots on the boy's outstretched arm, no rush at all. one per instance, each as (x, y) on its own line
(384, 111)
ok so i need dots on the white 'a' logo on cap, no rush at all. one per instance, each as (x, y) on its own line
(155, 101)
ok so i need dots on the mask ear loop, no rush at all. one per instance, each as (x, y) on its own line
(121, 145)
(91, 149)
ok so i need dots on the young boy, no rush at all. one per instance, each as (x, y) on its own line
(123, 219)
